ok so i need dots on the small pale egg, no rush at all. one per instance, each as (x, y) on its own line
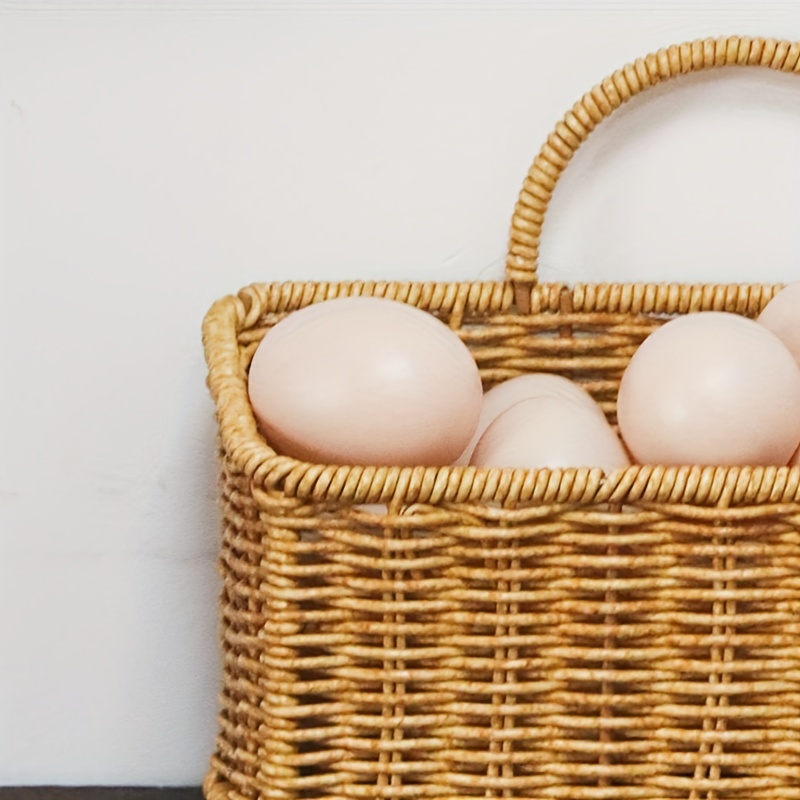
(782, 316)
(550, 432)
(365, 381)
(525, 387)
(711, 388)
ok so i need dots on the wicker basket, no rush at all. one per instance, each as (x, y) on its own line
(509, 633)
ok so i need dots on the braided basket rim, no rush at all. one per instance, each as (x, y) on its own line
(275, 474)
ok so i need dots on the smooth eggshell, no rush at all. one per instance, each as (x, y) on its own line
(711, 388)
(541, 384)
(795, 460)
(365, 380)
(549, 432)
(782, 316)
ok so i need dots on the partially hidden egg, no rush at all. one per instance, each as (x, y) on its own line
(365, 381)
(711, 388)
(782, 316)
(550, 432)
(525, 387)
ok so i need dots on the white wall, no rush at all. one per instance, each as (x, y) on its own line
(154, 159)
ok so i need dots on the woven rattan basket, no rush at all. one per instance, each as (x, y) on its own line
(509, 633)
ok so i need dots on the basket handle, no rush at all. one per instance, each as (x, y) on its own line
(599, 103)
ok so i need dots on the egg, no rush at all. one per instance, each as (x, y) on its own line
(782, 316)
(365, 380)
(711, 388)
(504, 395)
(550, 432)
(795, 460)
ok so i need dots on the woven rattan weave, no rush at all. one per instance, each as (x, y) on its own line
(509, 633)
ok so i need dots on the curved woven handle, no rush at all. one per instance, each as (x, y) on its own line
(599, 103)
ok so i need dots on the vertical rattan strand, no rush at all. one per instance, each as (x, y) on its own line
(509, 673)
(275, 772)
(501, 720)
(720, 655)
(513, 654)
(498, 676)
(393, 689)
(606, 735)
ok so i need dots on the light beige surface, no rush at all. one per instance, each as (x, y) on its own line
(155, 156)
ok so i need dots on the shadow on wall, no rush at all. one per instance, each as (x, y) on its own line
(175, 589)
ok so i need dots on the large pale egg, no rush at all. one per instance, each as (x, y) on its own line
(782, 316)
(365, 380)
(550, 432)
(525, 387)
(711, 388)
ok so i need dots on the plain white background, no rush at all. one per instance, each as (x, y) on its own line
(154, 157)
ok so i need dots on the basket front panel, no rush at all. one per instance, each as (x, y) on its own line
(574, 652)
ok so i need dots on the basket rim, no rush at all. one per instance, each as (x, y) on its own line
(277, 475)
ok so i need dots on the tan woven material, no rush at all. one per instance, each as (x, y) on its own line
(509, 633)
